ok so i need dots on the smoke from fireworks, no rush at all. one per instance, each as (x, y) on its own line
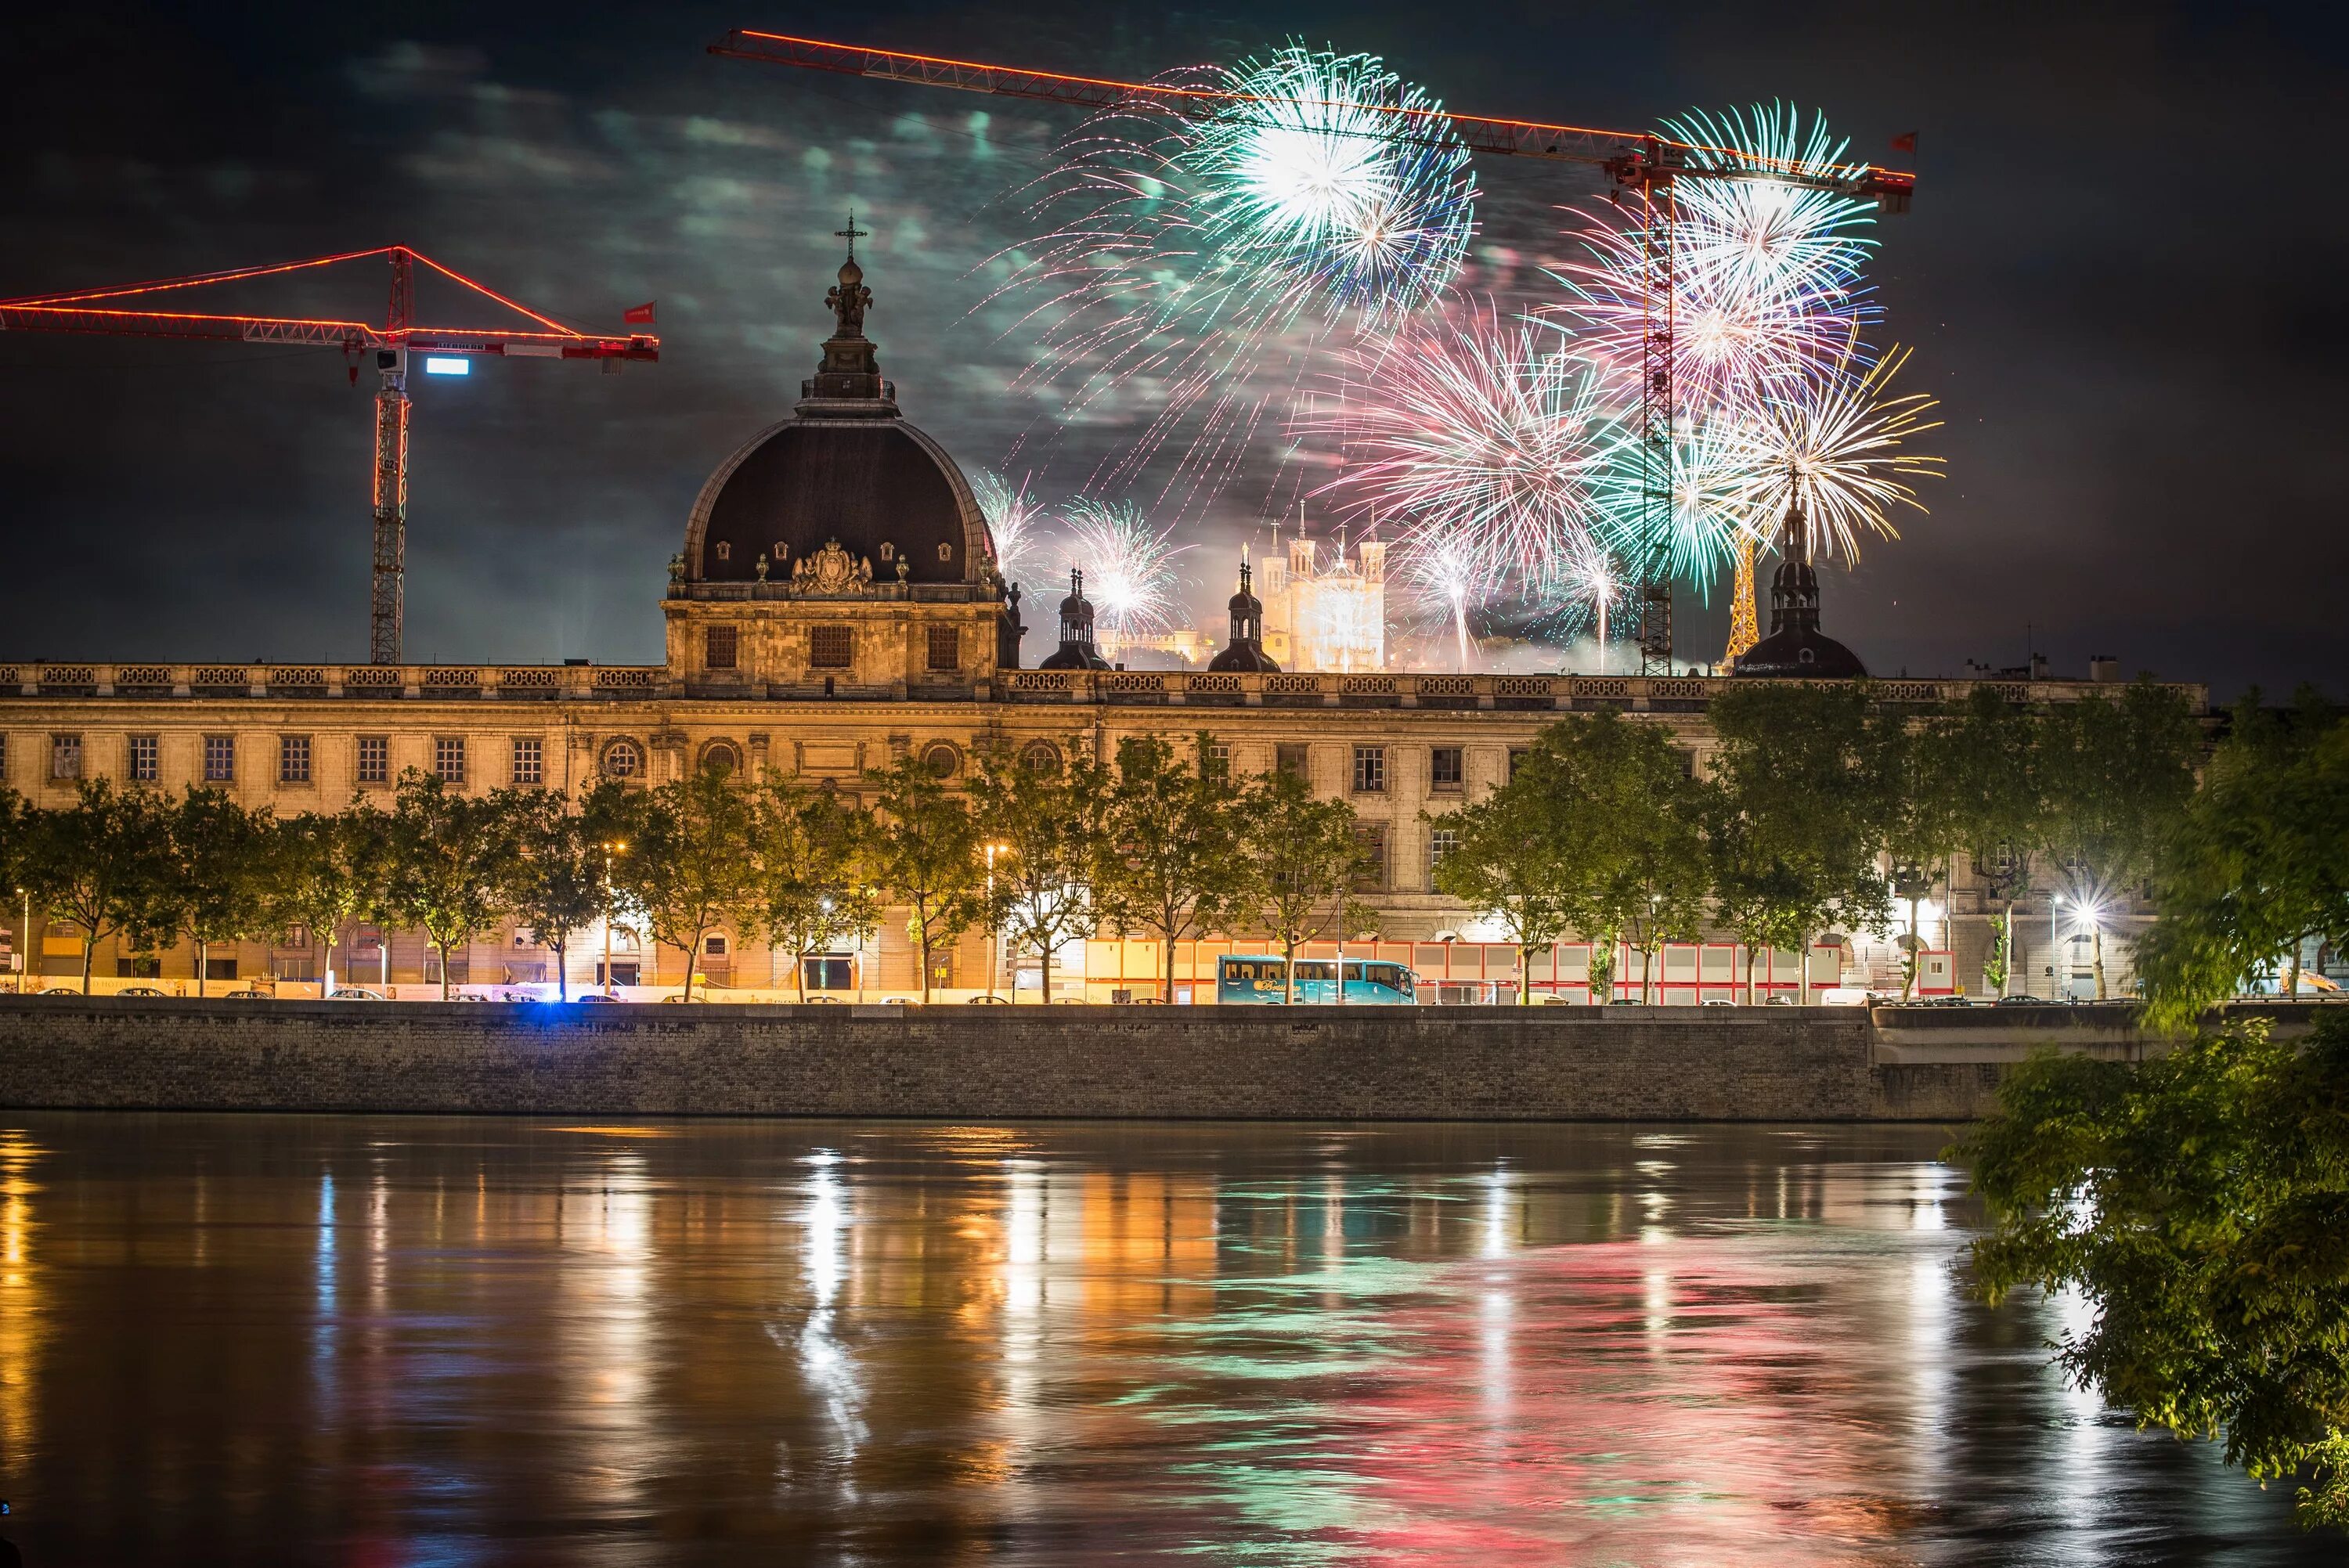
(1129, 566)
(1194, 258)
(1015, 522)
(1481, 443)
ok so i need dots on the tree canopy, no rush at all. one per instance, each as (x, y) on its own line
(2200, 1202)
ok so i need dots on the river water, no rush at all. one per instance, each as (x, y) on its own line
(452, 1341)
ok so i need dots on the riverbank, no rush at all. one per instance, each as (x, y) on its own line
(1371, 1064)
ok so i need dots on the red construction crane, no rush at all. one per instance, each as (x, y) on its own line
(120, 311)
(1641, 162)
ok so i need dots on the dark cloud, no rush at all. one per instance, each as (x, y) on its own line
(2120, 280)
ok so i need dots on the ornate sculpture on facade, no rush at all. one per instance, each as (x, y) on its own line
(832, 571)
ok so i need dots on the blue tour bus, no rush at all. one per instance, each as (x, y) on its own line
(1256, 978)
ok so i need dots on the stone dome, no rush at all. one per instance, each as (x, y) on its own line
(846, 468)
(1795, 646)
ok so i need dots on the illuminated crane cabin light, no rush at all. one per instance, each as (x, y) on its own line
(448, 364)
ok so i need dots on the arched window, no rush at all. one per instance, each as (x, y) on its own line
(1041, 757)
(725, 551)
(623, 760)
(941, 759)
(946, 550)
(722, 757)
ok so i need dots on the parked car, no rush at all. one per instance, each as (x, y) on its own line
(2022, 1002)
(897, 1001)
(680, 997)
(60, 991)
(1717, 1002)
(247, 994)
(1778, 1001)
(142, 991)
(356, 994)
(990, 1001)
(594, 997)
(827, 1001)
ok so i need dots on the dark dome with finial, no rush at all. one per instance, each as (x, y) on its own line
(1245, 651)
(1077, 650)
(846, 467)
(1795, 646)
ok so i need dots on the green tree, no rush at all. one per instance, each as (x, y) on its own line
(2259, 865)
(102, 863)
(1796, 815)
(1309, 861)
(810, 873)
(1504, 865)
(445, 865)
(1049, 829)
(2201, 1203)
(218, 856)
(1917, 761)
(692, 861)
(2117, 777)
(1986, 752)
(15, 828)
(323, 869)
(556, 883)
(925, 855)
(1627, 824)
(1176, 864)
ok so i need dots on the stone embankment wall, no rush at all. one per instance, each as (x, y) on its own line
(1818, 1064)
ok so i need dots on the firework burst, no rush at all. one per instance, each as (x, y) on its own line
(1014, 520)
(1482, 444)
(1711, 512)
(1129, 566)
(1839, 446)
(1193, 261)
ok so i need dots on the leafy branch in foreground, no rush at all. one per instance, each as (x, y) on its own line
(2201, 1203)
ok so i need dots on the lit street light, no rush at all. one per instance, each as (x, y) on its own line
(610, 847)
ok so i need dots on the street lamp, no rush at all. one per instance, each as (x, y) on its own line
(2055, 903)
(25, 945)
(994, 925)
(610, 847)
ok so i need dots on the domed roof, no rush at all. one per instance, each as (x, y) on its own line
(882, 487)
(845, 468)
(1795, 646)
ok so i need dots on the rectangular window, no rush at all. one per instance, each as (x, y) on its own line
(220, 758)
(65, 756)
(4, 759)
(1687, 761)
(144, 759)
(375, 759)
(1221, 751)
(449, 758)
(946, 648)
(1291, 760)
(1371, 841)
(1369, 770)
(529, 759)
(718, 645)
(1516, 755)
(1444, 771)
(829, 647)
(293, 759)
(1441, 841)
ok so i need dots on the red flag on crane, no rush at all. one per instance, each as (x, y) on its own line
(642, 315)
(1904, 142)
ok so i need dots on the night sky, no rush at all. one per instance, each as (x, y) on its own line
(2122, 279)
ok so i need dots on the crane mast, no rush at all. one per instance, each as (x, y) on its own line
(1640, 164)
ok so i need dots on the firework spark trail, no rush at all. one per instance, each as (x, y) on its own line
(1838, 444)
(1129, 566)
(1015, 520)
(1193, 264)
(1483, 444)
(1712, 513)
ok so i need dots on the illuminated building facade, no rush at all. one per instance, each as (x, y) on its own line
(836, 606)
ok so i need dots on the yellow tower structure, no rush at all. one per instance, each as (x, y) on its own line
(1744, 624)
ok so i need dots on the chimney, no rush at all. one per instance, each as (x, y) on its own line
(2104, 668)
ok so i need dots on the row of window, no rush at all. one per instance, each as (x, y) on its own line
(830, 647)
(143, 759)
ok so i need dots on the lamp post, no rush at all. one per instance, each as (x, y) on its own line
(994, 925)
(610, 847)
(24, 946)
(2055, 903)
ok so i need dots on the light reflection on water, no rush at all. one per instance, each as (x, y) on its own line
(302, 1339)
